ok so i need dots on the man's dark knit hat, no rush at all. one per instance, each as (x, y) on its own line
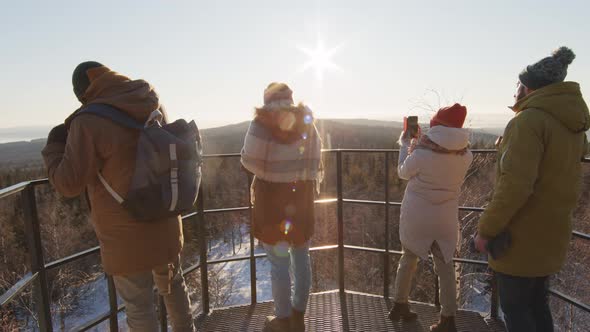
(549, 70)
(80, 79)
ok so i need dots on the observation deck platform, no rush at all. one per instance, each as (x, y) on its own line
(353, 311)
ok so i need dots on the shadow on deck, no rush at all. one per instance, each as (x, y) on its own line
(354, 311)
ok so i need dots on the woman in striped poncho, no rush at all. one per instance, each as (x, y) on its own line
(283, 150)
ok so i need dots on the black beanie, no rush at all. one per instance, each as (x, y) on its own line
(80, 79)
(549, 70)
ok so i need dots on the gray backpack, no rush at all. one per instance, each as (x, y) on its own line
(168, 163)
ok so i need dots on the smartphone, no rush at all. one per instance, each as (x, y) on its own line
(411, 126)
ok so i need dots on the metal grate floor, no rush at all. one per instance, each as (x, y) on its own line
(355, 312)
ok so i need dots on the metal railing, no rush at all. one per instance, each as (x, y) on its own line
(37, 278)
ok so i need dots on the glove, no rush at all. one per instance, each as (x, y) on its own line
(58, 134)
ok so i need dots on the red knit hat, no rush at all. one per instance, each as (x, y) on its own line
(450, 116)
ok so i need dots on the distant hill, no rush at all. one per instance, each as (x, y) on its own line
(492, 131)
(18, 153)
(336, 133)
(367, 122)
(23, 133)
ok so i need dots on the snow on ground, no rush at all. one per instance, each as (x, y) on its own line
(474, 297)
(229, 285)
(92, 302)
(232, 281)
(234, 277)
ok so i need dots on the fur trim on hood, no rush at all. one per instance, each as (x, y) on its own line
(443, 139)
(449, 138)
(287, 124)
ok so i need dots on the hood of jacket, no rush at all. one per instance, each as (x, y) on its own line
(288, 124)
(137, 98)
(563, 101)
(452, 139)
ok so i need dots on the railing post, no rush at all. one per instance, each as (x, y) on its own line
(436, 291)
(32, 233)
(203, 252)
(386, 254)
(253, 297)
(495, 302)
(113, 307)
(340, 222)
(163, 314)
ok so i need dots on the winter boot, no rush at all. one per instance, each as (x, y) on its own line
(445, 324)
(402, 311)
(274, 324)
(297, 321)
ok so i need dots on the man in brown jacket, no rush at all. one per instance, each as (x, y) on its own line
(137, 254)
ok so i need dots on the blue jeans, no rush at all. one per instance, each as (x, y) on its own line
(288, 262)
(525, 303)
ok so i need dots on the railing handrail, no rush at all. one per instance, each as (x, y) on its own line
(13, 189)
(18, 287)
(38, 276)
(16, 188)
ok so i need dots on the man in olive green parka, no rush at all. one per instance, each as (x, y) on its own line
(538, 182)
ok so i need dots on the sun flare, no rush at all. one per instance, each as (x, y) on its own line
(319, 59)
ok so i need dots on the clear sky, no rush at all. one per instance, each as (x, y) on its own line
(211, 60)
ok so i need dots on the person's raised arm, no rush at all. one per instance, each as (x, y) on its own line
(408, 164)
(71, 163)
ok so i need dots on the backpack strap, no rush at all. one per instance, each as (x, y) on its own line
(109, 112)
(121, 118)
(111, 191)
(173, 177)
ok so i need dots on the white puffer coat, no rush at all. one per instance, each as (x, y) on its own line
(429, 209)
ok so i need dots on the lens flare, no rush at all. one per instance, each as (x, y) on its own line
(287, 121)
(286, 226)
(301, 149)
(308, 119)
(304, 136)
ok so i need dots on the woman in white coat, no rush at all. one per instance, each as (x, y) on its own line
(435, 165)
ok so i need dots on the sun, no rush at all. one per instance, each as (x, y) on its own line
(320, 59)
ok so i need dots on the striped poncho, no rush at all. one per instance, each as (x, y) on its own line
(275, 159)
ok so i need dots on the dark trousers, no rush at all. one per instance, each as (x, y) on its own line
(525, 303)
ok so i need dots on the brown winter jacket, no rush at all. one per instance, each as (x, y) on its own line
(97, 144)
